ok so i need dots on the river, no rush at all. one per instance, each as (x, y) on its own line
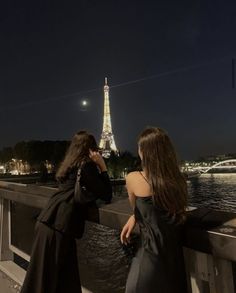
(215, 191)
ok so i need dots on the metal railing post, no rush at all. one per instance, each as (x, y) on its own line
(5, 252)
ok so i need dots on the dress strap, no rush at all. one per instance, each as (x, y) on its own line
(144, 177)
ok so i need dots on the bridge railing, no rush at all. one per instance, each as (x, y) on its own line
(209, 242)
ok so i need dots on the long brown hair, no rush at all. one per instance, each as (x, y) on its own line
(159, 162)
(77, 153)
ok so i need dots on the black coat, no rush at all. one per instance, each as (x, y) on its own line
(62, 213)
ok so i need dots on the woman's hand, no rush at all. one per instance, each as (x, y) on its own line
(98, 159)
(127, 229)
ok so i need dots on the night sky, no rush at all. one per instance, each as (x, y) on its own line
(168, 64)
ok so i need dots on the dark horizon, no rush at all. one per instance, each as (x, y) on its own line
(168, 64)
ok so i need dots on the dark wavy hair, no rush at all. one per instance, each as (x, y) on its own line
(77, 153)
(159, 161)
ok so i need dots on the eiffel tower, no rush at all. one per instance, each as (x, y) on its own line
(107, 142)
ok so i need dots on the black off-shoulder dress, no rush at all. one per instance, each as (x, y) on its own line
(158, 266)
(53, 266)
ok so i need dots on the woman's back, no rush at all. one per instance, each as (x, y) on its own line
(160, 232)
(158, 265)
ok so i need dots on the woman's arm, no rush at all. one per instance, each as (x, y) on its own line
(130, 224)
(127, 229)
(129, 183)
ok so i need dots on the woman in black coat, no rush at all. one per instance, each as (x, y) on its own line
(82, 178)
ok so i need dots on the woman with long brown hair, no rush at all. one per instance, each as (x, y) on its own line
(158, 195)
(53, 266)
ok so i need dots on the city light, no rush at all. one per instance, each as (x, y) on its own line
(2, 169)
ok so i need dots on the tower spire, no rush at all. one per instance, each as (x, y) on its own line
(107, 142)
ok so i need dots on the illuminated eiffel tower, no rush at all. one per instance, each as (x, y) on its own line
(107, 142)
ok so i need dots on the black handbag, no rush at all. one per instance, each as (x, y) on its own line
(68, 209)
(65, 217)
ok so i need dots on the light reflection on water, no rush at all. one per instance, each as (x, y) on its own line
(215, 191)
(103, 262)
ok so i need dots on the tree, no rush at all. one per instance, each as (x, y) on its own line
(59, 150)
(6, 154)
(20, 151)
(118, 166)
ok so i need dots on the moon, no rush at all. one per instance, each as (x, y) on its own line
(84, 103)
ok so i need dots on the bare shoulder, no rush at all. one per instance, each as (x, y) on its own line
(137, 185)
(131, 175)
